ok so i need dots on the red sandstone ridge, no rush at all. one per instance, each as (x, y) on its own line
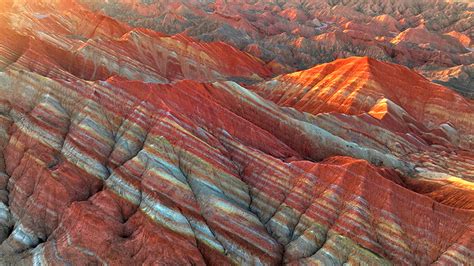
(361, 84)
(95, 47)
(428, 35)
(126, 146)
(389, 108)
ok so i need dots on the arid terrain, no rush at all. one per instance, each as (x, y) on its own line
(433, 37)
(236, 132)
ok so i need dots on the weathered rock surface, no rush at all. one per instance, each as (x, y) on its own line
(360, 85)
(140, 173)
(115, 150)
(428, 35)
(460, 78)
(389, 109)
(95, 47)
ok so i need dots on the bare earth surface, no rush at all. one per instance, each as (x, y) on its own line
(434, 37)
(123, 145)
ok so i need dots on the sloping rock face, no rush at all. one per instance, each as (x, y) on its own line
(388, 108)
(110, 158)
(94, 47)
(460, 78)
(360, 85)
(428, 35)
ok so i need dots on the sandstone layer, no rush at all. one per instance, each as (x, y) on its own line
(124, 146)
(428, 35)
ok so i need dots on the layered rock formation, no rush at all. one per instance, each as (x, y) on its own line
(125, 146)
(386, 106)
(460, 78)
(364, 85)
(94, 47)
(428, 35)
